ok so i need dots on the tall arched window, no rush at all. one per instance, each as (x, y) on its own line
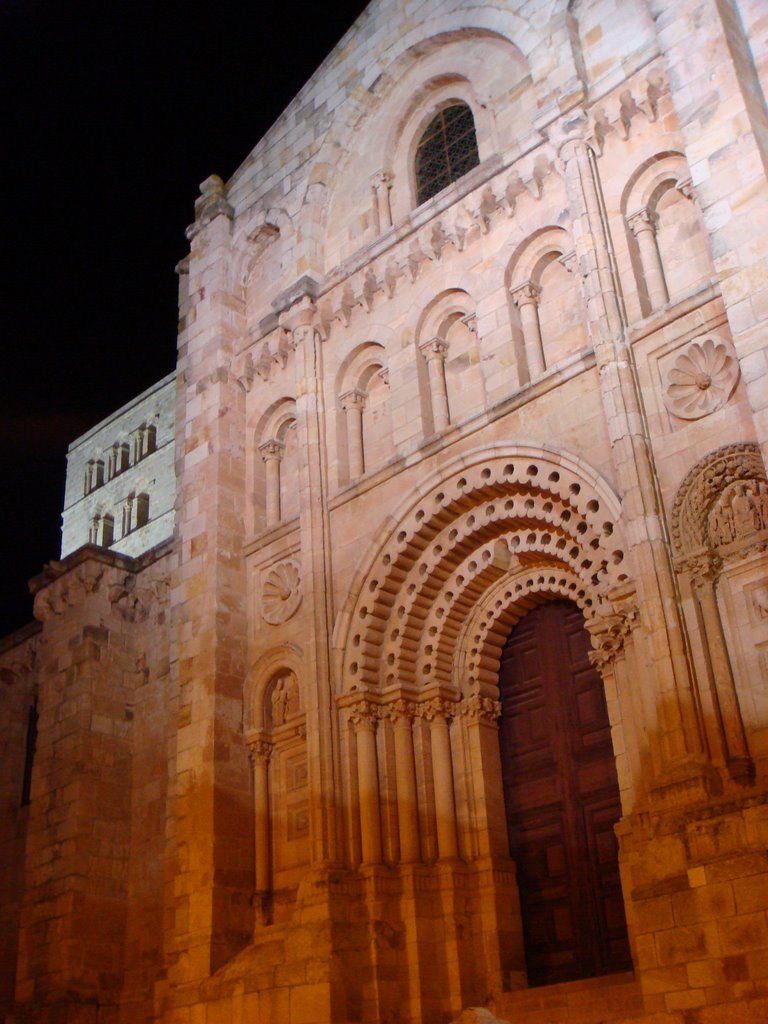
(446, 150)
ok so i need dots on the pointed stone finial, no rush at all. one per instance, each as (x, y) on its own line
(211, 203)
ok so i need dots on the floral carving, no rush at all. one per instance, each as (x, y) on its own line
(280, 592)
(702, 379)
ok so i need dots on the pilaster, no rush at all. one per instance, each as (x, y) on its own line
(685, 772)
(298, 315)
(212, 876)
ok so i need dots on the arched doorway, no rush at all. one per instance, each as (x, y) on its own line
(562, 798)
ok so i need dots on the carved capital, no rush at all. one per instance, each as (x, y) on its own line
(570, 261)
(642, 220)
(480, 709)
(526, 294)
(381, 180)
(702, 568)
(436, 709)
(259, 751)
(272, 449)
(470, 321)
(364, 715)
(402, 712)
(609, 634)
(353, 399)
(685, 188)
(434, 348)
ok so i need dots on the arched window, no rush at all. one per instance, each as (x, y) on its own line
(446, 150)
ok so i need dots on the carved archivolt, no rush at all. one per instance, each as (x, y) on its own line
(281, 592)
(701, 379)
(723, 499)
(469, 557)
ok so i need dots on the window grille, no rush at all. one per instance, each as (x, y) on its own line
(446, 151)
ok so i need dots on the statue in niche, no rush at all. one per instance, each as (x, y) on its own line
(284, 698)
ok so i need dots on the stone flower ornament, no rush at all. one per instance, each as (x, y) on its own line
(281, 592)
(702, 378)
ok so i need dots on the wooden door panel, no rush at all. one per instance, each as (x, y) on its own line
(562, 798)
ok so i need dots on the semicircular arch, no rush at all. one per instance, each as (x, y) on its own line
(489, 516)
(284, 657)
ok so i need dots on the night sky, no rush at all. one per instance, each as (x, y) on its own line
(114, 111)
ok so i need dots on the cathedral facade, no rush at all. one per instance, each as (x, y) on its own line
(407, 658)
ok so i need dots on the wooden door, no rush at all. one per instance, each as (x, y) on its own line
(562, 799)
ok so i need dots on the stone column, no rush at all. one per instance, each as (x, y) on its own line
(405, 778)
(703, 577)
(381, 183)
(434, 351)
(437, 712)
(260, 752)
(526, 298)
(272, 454)
(364, 719)
(643, 225)
(353, 404)
(480, 716)
(680, 727)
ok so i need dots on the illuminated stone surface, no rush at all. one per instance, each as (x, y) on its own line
(267, 784)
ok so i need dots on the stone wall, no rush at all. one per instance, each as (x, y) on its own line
(268, 758)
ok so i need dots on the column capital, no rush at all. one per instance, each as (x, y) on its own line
(436, 709)
(609, 635)
(364, 715)
(642, 220)
(272, 450)
(480, 709)
(526, 294)
(685, 188)
(434, 348)
(381, 179)
(259, 751)
(570, 261)
(353, 399)
(702, 567)
(401, 712)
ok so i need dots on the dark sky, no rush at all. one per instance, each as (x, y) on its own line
(113, 112)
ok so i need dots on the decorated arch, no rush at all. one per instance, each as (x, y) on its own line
(496, 532)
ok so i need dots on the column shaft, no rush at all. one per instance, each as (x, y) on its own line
(368, 790)
(445, 800)
(407, 801)
(725, 686)
(644, 231)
